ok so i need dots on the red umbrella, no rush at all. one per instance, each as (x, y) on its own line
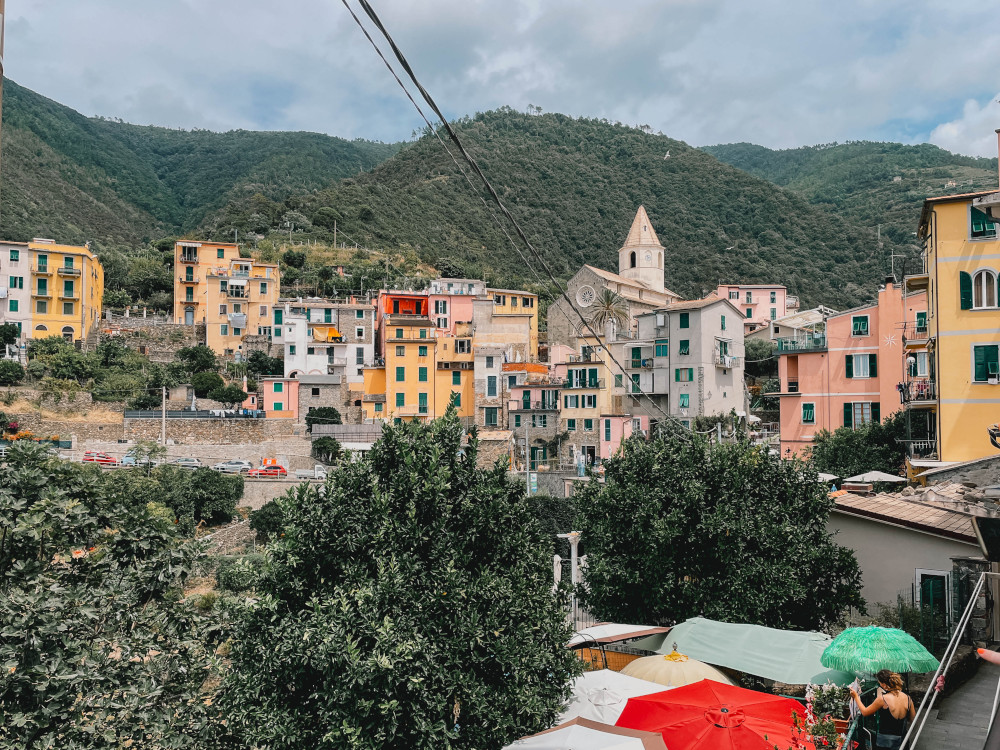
(708, 715)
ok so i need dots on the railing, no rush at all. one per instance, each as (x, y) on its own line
(923, 390)
(582, 358)
(188, 258)
(189, 279)
(42, 293)
(913, 331)
(71, 295)
(644, 364)
(519, 405)
(199, 414)
(726, 360)
(814, 342)
(920, 448)
(411, 334)
(67, 271)
(41, 269)
(585, 384)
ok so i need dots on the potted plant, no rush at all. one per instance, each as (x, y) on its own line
(832, 702)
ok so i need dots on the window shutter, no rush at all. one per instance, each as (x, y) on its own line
(979, 358)
(690, 374)
(965, 290)
(848, 415)
(872, 365)
(677, 374)
(849, 365)
(876, 412)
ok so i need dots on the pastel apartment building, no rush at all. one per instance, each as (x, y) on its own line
(232, 296)
(51, 289)
(759, 303)
(323, 337)
(850, 375)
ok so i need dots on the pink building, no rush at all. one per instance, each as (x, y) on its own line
(759, 303)
(281, 397)
(614, 428)
(850, 375)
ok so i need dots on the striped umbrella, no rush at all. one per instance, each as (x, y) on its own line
(872, 648)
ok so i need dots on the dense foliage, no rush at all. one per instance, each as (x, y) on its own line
(322, 415)
(680, 528)
(407, 606)
(879, 446)
(96, 648)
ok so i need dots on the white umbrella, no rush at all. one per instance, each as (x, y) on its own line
(601, 695)
(673, 670)
(875, 476)
(584, 734)
(827, 478)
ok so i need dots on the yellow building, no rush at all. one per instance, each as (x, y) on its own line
(961, 332)
(66, 285)
(512, 303)
(233, 296)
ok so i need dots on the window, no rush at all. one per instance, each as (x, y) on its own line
(400, 374)
(359, 355)
(527, 302)
(463, 346)
(359, 333)
(327, 315)
(222, 310)
(224, 286)
(513, 301)
(400, 399)
(684, 400)
(43, 263)
(984, 289)
(12, 305)
(539, 420)
(68, 308)
(723, 348)
(635, 384)
(981, 225)
(607, 430)
(491, 386)
(359, 314)
(662, 348)
(442, 323)
(378, 408)
(618, 381)
(400, 351)
(43, 288)
(861, 366)
(399, 333)
(41, 307)
(774, 313)
(278, 406)
(263, 287)
(590, 402)
(279, 387)
(722, 322)
(774, 297)
(985, 363)
(919, 367)
(189, 274)
(422, 403)
(456, 377)
(263, 311)
(279, 317)
(860, 413)
(17, 282)
(491, 416)
(808, 414)
(749, 313)
(15, 255)
(922, 322)
(571, 425)
(421, 351)
(685, 319)
(220, 253)
(310, 350)
(423, 333)
(440, 307)
(511, 381)
(749, 298)
(517, 420)
(291, 348)
(314, 392)
(734, 294)
(189, 294)
(683, 374)
(588, 425)
(422, 374)
(571, 402)
(456, 397)
(859, 325)
(238, 308)
(685, 347)
(489, 363)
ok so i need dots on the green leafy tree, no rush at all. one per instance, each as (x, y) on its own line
(11, 373)
(729, 532)
(198, 358)
(68, 364)
(97, 646)
(413, 594)
(8, 334)
(326, 449)
(874, 447)
(609, 310)
(230, 396)
(322, 415)
(761, 358)
(205, 383)
(146, 401)
(268, 521)
(117, 298)
(47, 346)
(294, 258)
(261, 365)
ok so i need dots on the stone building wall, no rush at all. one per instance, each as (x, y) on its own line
(186, 431)
(157, 340)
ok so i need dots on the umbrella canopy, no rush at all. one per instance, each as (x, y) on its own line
(601, 695)
(875, 476)
(872, 648)
(789, 656)
(673, 670)
(826, 478)
(584, 734)
(711, 716)
(611, 632)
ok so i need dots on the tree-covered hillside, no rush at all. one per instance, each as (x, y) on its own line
(858, 180)
(575, 184)
(76, 178)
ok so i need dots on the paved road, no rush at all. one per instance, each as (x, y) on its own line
(962, 719)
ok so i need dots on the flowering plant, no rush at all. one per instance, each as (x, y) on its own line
(829, 700)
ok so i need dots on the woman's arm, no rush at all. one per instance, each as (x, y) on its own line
(875, 705)
(913, 710)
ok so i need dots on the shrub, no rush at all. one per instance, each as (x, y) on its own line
(268, 521)
(206, 382)
(238, 574)
(11, 373)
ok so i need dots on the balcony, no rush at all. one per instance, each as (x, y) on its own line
(456, 365)
(598, 384)
(189, 279)
(237, 293)
(188, 258)
(520, 405)
(726, 360)
(916, 282)
(42, 270)
(640, 364)
(925, 449)
(373, 398)
(411, 334)
(71, 295)
(590, 357)
(68, 271)
(402, 319)
(812, 343)
(918, 392)
(43, 293)
(916, 334)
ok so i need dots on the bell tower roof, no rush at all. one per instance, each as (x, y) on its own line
(641, 234)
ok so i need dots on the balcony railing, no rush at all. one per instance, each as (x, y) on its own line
(917, 391)
(67, 271)
(411, 334)
(916, 333)
(520, 405)
(189, 279)
(42, 269)
(926, 449)
(815, 342)
(185, 258)
(582, 358)
(71, 295)
(726, 360)
(456, 365)
(641, 364)
(585, 384)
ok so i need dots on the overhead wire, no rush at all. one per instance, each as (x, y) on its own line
(373, 16)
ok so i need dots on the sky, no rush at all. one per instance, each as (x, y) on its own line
(777, 73)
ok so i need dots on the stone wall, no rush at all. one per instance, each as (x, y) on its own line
(158, 340)
(79, 431)
(186, 431)
(982, 473)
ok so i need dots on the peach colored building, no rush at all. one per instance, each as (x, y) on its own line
(759, 303)
(281, 397)
(850, 375)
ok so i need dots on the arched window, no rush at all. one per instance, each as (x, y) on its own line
(659, 260)
(631, 259)
(984, 289)
(67, 333)
(43, 329)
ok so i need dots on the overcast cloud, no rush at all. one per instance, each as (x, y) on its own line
(779, 73)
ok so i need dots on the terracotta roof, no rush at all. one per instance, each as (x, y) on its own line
(905, 511)
(641, 234)
(608, 275)
(945, 199)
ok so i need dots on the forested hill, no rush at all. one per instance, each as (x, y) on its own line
(575, 184)
(857, 180)
(76, 178)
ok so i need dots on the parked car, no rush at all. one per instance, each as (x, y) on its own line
(131, 459)
(233, 466)
(316, 472)
(98, 457)
(186, 462)
(269, 471)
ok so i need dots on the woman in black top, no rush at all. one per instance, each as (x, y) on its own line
(894, 709)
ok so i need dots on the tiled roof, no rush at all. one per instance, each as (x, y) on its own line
(629, 282)
(913, 513)
(694, 304)
(641, 234)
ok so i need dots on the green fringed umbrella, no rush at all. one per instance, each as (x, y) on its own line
(873, 648)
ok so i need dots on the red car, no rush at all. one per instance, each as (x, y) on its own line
(269, 471)
(100, 458)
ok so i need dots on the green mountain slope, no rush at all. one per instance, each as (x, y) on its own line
(575, 185)
(76, 178)
(857, 180)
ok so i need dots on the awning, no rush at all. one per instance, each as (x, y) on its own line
(788, 656)
(612, 632)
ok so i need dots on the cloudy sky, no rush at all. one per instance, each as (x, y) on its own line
(781, 73)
